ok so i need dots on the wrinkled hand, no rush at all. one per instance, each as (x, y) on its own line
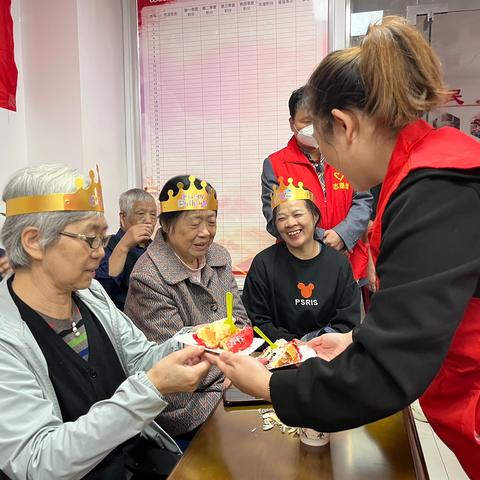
(180, 371)
(5, 267)
(329, 345)
(333, 239)
(246, 373)
(137, 234)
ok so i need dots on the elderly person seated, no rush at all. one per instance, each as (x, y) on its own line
(138, 216)
(79, 382)
(300, 287)
(181, 281)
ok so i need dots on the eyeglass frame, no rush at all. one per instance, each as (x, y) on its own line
(90, 240)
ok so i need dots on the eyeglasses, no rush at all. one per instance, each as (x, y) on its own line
(93, 242)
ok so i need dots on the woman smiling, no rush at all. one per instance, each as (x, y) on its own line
(181, 281)
(300, 287)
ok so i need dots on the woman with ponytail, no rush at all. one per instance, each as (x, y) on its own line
(421, 336)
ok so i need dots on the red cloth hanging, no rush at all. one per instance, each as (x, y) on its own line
(8, 69)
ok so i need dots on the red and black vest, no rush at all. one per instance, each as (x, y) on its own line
(334, 207)
(452, 401)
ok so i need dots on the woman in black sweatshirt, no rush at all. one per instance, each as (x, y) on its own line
(300, 287)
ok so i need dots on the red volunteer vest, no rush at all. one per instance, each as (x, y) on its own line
(292, 162)
(452, 401)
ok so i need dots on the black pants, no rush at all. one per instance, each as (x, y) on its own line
(148, 461)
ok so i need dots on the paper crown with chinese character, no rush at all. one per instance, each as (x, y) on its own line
(285, 193)
(82, 200)
(192, 198)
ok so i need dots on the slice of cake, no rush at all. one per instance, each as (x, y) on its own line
(286, 353)
(212, 334)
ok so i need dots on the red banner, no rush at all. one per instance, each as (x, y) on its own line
(8, 69)
(149, 3)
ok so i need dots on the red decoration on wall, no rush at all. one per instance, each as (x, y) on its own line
(456, 96)
(149, 3)
(8, 69)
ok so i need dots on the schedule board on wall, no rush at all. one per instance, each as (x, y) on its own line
(216, 77)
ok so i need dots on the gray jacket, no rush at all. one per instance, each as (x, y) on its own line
(163, 298)
(35, 443)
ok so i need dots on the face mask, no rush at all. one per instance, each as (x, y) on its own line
(305, 136)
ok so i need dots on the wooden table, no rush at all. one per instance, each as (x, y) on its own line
(225, 448)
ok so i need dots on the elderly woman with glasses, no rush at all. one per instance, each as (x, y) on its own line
(80, 382)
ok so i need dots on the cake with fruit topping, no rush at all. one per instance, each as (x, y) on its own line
(285, 353)
(219, 334)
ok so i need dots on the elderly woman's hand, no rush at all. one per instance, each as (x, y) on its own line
(5, 267)
(180, 371)
(245, 372)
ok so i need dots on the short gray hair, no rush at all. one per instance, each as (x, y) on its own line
(127, 199)
(39, 180)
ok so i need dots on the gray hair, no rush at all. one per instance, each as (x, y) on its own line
(127, 199)
(39, 180)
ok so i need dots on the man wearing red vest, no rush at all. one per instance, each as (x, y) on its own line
(344, 214)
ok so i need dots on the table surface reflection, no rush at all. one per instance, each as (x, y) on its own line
(226, 448)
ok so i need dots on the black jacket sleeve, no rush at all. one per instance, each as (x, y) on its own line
(347, 315)
(258, 304)
(428, 268)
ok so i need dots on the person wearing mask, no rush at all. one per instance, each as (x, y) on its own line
(299, 287)
(138, 216)
(344, 212)
(181, 282)
(81, 385)
(421, 335)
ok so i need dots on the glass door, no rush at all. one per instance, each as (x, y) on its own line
(452, 28)
(455, 37)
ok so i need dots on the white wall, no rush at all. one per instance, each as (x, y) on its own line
(100, 50)
(70, 100)
(52, 81)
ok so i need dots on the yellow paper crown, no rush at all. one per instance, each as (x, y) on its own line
(84, 199)
(191, 198)
(285, 193)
